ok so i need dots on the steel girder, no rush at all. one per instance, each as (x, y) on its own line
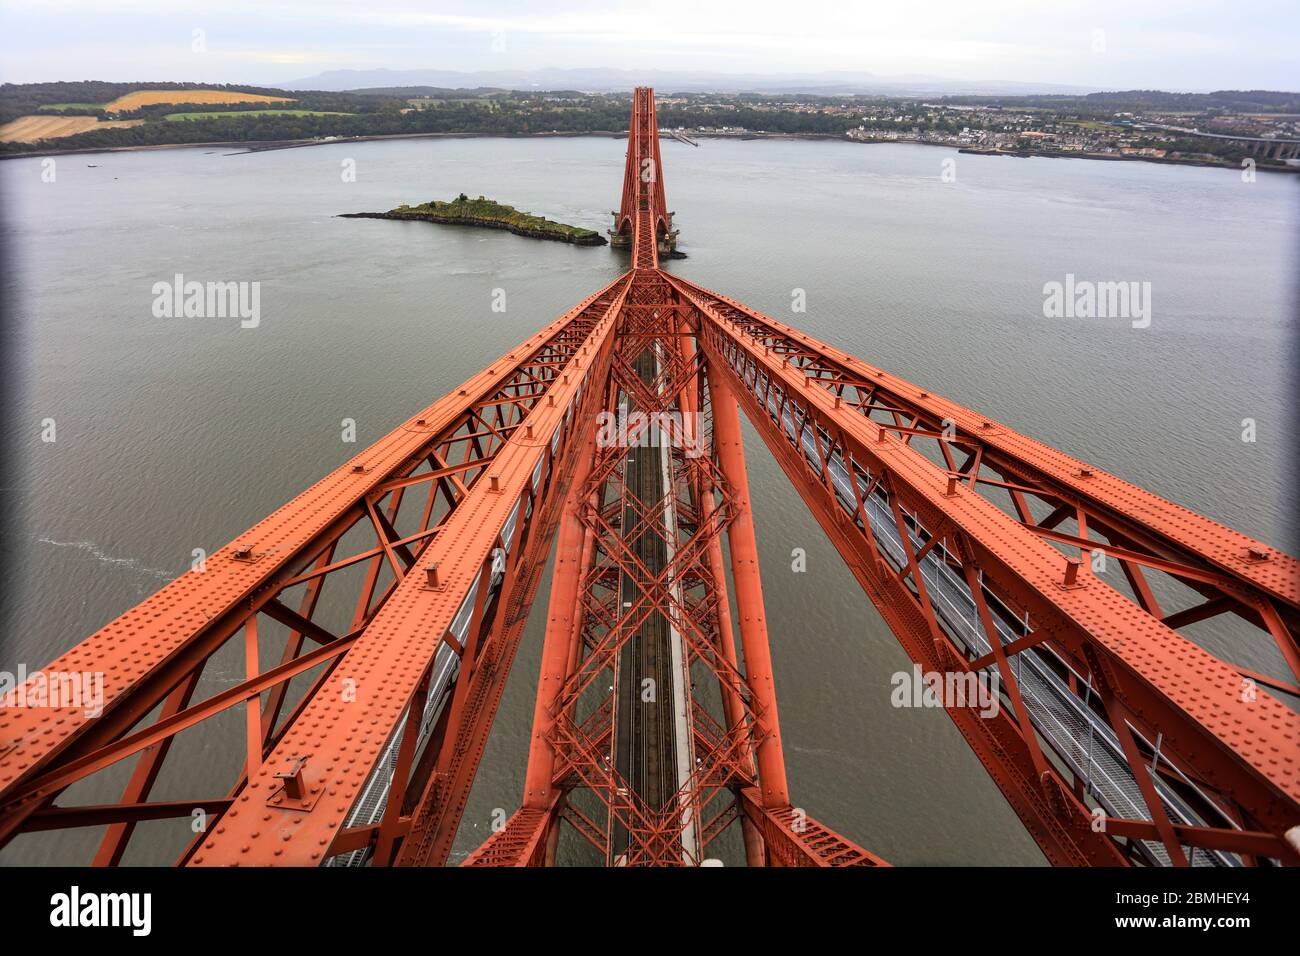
(793, 839)
(1206, 569)
(916, 537)
(581, 701)
(628, 589)
(442, 498)
(371, 755)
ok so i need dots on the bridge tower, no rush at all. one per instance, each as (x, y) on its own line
(643, 185)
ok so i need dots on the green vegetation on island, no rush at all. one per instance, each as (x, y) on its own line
(463, 211)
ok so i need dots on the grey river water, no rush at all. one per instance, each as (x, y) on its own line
(176, 434)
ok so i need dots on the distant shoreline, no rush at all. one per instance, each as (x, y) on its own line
(1059, 154)
(262, 146)
(266, 145)
(1110, 157)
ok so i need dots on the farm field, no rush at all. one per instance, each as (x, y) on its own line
(139, 98)
(28, 129)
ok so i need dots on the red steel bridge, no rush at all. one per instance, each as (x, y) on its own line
(395, 590)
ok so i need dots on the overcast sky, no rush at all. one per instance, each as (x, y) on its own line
(1168, 44)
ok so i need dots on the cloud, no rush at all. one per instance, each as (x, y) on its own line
(1164, 43)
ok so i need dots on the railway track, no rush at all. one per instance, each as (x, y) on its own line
(645, 736)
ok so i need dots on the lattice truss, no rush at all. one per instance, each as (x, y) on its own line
(372, 621)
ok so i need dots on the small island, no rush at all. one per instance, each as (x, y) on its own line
(463, 211)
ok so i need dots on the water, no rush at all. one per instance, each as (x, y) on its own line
(177, 434)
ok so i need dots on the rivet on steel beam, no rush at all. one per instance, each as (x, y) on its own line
(431, 575)
(1071, 571)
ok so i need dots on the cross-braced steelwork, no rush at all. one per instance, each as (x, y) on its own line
(396, 590)
(642, 219)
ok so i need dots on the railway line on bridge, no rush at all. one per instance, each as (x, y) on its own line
(1118, 740)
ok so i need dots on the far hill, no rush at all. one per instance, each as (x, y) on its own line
(602, 80)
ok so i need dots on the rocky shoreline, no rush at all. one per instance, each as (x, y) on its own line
(1112, 158)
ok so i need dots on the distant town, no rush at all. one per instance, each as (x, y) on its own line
(1228, 128)
(1080, 126)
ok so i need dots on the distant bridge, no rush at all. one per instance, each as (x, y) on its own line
(1260, 145)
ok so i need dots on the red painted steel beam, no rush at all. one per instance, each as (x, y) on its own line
(563, 621)
(32, 796)
(574, 741)
(118, 834)
(610, 528)
(572, 747)
(692, 401)
(792, 838)
(349, 722)
(497, 462)
(121, 814)
(1244, 751)
(998, 747)
(521, 842)
(1251, 579)
(749, 598)
(154, 648)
